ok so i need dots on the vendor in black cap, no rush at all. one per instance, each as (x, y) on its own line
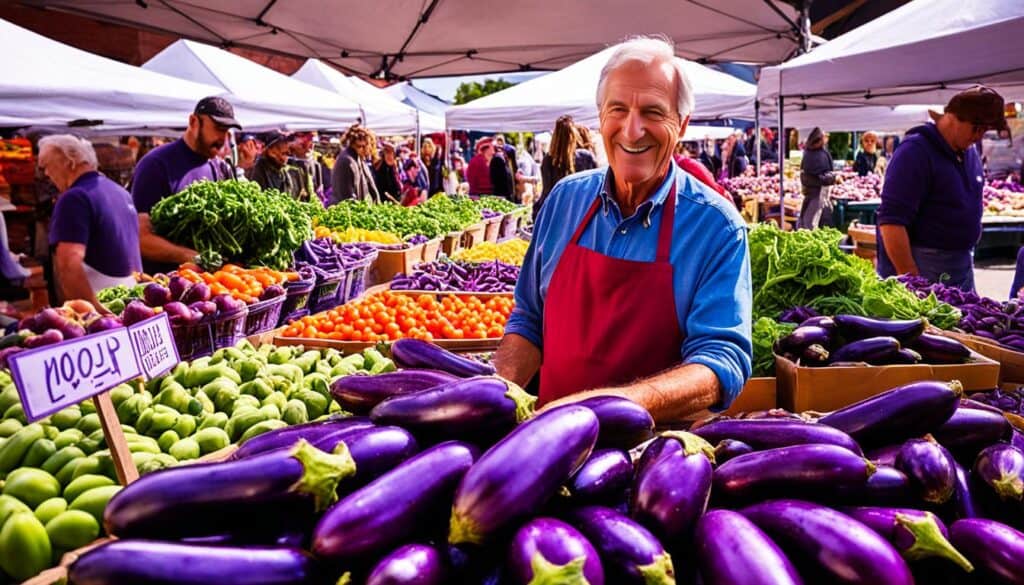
(272, 170)
(170, 168)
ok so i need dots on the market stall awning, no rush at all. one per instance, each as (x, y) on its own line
(534, 105)
(428, 38)
(381, 112)
(920, 53)
(51, 84)
(263, 98)
(410, 95)
(847, 118)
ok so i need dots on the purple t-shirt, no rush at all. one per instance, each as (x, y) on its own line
(167, 170)
(98, 212)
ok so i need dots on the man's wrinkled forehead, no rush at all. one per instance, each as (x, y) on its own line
(655, 81)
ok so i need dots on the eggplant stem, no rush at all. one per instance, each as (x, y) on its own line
(345, 579)
(548, 573)
(1009, 487)
(929, 541)
(462, 530)
(692, 444)
(524, 401)
(322, 472)
(659, 572)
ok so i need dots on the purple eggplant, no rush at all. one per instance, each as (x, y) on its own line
(156, 295)
(666, 443)
(898, 414)
(514, 478)
(873, 350)
(887, 486)
(807, 471)
(1001, 468)
(731, 549)
(905, 357)
(360, 393)
(415, 353)
(970, 430)
(624, 423)
(603, 478)
(547, 550)
(803, 337)
(171, 563)
(831, 542)
(375, 451)
(856, 328)
(826, 323)
(963, 504)
(727, 449)
(631, 555)
(1017, 439)
(670, 493)
(814, 356)
(929, 466)
(937, 349)
(975, 404)
(995, 549)
(379, 516)
(915, 534)
(412, 564)
(288, 436)
(279, 487)
(479, 409)
(136, 311)
(773, 433)
(884, 455)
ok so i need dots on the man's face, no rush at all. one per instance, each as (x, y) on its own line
(56, 167)
(639, 121)
(499, 141)
(966, 133)
(302, 145)
(389, 156)
(362, 147)
(279, 151)
(210, 136)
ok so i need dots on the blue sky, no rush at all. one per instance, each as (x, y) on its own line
(444, 87)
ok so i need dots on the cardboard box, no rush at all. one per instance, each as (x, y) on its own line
(473, 235)
(830, 388)
(431, 248)
(492, 229)
(1011, 363)
(391, 262)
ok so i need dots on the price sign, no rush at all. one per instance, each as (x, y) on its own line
(154, 345)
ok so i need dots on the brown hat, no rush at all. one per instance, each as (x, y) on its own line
(979, 105)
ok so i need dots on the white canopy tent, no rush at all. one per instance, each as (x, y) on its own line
(262, 97)
(410, 95)
(534, 105)
(381, 112)
(855, 118)
(47, 83)
(402, 39)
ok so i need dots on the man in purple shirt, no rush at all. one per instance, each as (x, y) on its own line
(930, 217)
(94, 231)
(170, 168)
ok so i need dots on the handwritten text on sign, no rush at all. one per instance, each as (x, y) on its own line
(53, 377)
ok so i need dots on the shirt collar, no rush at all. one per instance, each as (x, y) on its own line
(84, 177)
(646, 209)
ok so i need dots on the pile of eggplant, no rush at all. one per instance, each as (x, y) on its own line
(845, 340)
(447, 475)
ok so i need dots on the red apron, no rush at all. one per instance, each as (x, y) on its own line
(609, 321)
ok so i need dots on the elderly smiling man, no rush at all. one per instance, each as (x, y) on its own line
(637, 281)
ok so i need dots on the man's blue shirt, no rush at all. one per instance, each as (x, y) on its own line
(710, 257)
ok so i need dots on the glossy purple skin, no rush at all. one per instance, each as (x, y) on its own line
(412, 564)
(972, 429)
(971, 403)
(156, 295)
(994, 548)
(288, 436)
(603, 478)
(847, 550)
(810, 471)
(896, 415)
(887, 486)
(1002, 464)
(415, 353)
(379, 516)
(1017, 439)
(360, 393)
(624, 544)
(773, 433)
(376, 450)
(555, 541)
(884, 455)
(624, 423)
(170, 563)
(963, 504)
(469, 409)
(671, 493)
(871, 350)
(136, 311)
(856, 327)
(883, 521)
(929, 466)
(731, 549)
(938, 349)
(804, 336)
(104, 324)
(655, 450)
(727, 449)
(197, 293)
(515, 477)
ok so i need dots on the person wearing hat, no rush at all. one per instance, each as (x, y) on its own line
(249, 149)
(930, 216)
(386, 175)
(478, 171)
(272, 170)
(170, 168)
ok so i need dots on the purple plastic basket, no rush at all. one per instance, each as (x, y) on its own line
(325, 294)
(193, 341)
(294, 316)
(227, 331)
(263, 315)
(296, 300)
(355, 279)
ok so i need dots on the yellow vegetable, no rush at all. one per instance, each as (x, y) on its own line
(357, 235)
(509, 252)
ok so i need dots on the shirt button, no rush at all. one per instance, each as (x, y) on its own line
(622, 231)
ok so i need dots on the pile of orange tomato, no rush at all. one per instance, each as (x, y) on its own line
(387, 316)
(244, 284)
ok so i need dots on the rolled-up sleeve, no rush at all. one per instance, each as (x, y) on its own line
(718, 326)
(528, 315)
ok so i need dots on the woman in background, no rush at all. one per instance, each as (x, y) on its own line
(565, 156)
(816, 176)
(867, 158)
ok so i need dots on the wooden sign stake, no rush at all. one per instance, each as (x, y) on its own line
(119, 451)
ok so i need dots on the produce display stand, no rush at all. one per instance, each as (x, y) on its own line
(1011, 363)
(431, 248)
(473, 234)
(492, 229)
(830, 388)
(865, 244)
(392, 262)
(451, 242)
(509, 226)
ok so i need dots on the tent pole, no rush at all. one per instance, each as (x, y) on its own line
(757, 137)
(805, 26)
(783, 145)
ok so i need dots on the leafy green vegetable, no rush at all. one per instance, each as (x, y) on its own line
(115, 298)
(765, 333)
(435, 217)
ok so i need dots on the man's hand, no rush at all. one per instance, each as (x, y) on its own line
(517, 359)
(897, 248)
(580, 396)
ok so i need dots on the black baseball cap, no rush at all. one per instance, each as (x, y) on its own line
(273, 137)
(219, 110)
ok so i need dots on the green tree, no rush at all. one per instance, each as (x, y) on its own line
(472, 90)
(839, 145)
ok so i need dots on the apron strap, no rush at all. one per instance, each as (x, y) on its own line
(668, 216)
(586, 220)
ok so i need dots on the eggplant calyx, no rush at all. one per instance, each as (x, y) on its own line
(871, 467)
(957, 388)
(1009, 487)
(548, 573)
(692, 444)
(321, 472)
(345, 579)
(524, 401)
(462, 530)
(659, 572)
(929, 541)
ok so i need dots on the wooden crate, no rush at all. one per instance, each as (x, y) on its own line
(865, 245)
(431, 249)
(473, 235)
(391, 262)
(492, 229)
(451, 243)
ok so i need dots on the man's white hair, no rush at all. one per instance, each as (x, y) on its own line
(77, 150)
(650, 50)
